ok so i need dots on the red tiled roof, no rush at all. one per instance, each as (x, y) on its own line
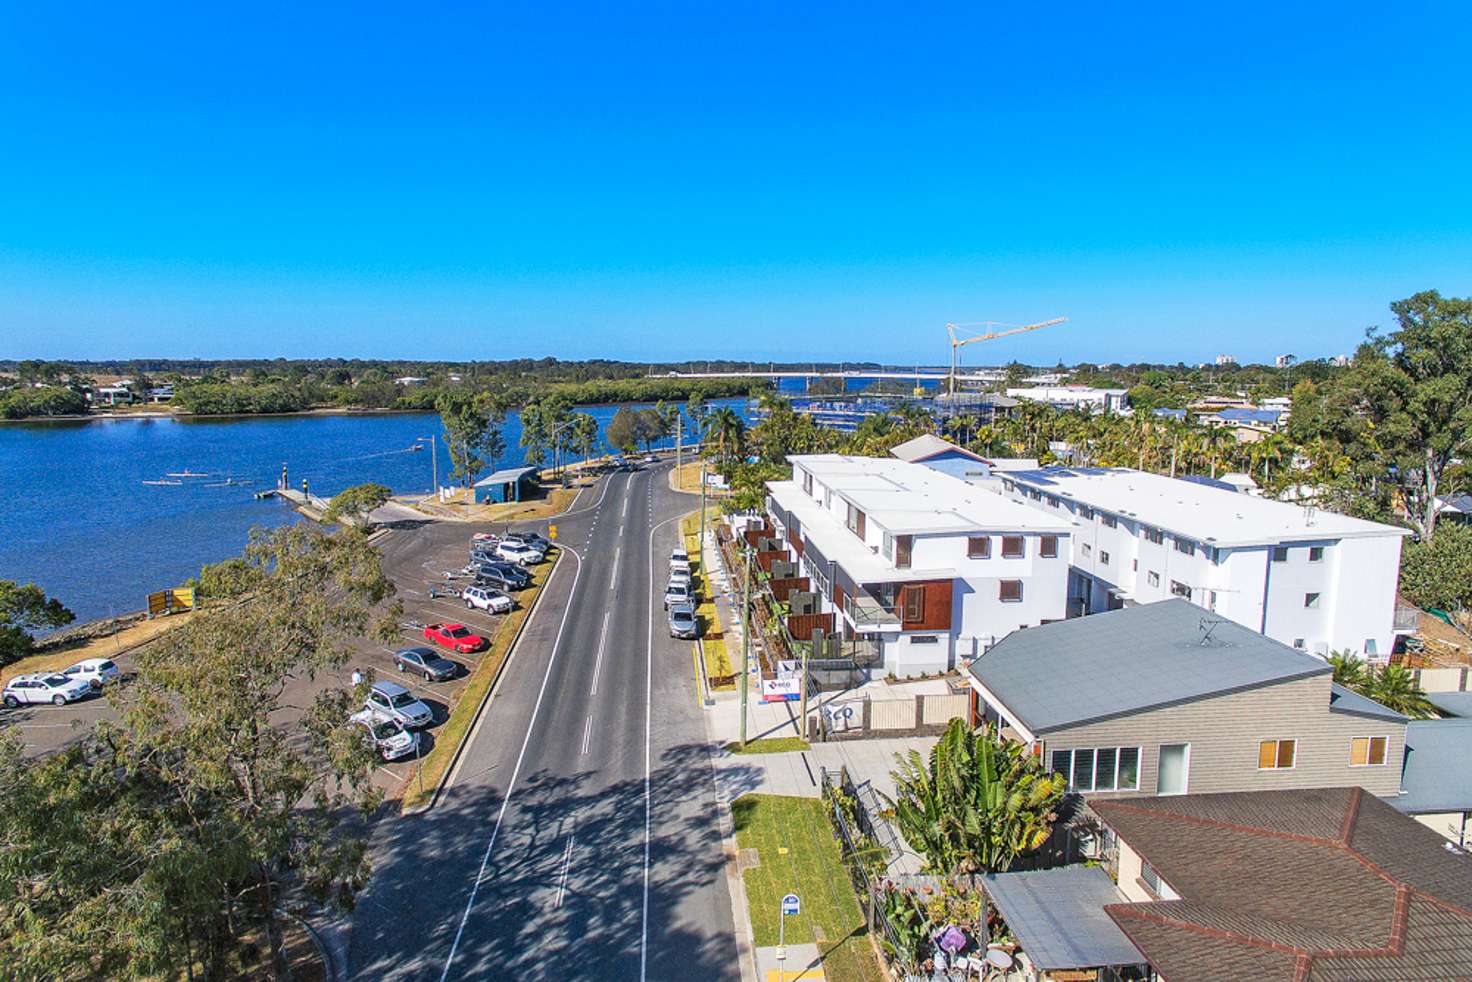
(1328, 883)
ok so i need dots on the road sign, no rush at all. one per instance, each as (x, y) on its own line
(791, 906)
(551, 531)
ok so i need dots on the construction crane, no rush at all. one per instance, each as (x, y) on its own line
(990, 335)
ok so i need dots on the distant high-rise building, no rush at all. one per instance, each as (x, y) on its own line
(1283, 361)
(1340, 360)
(1222, 360)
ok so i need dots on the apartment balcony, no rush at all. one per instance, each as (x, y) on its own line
(1407, 620)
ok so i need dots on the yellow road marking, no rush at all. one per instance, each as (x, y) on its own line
(806, 975)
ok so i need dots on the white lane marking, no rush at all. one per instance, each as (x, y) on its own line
(625, 512)
(516, 772)
(648, 740)
(587, 733)
(562, 877)
(616, 551)
(598, 661)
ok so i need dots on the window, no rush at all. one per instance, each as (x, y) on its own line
(1012, 547)
(902, 547)
(855, 521)
(1280, 554)
(1367, 751)
(1370, 647)
(914, 603)
(1154, 535)
(1048, 547)
(1134, 565)
(1099, 769)
(1216, 556)
(807, 483)
(1186, 546)
(1180, 589)
(1316, 554)
(1153, 578)
(1311, 601)
(979, 547)
(1103, 557)
(1172, 776)
(1298, 643)
(1150, 878)
(1211, 600)
(1276, 755)
(1086, 550)
(924, 639)
(1084, 511)
(1107, 520)
(1052, 501)
(1010, 591)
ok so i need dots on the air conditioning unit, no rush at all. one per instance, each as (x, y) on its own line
(804, 603)
(783, 570)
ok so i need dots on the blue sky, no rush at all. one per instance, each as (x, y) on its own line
(659, 182)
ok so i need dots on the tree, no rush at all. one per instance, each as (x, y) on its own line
(1438, 572)
(472, 424)
(976, 804)
(1349, 669)
(24, 609)
(728, 429)
(1403, 411)
(356, 503)
(1394, 687)
(624, 430)
(695, 409)
(584, 431)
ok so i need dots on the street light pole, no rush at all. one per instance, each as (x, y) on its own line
(434, 466)
(745, 630)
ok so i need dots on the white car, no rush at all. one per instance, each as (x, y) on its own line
(522, 555)
(97, 672)
(484, 598)
(678, 593)
(52, 687)
(389, 737)
(681, 576)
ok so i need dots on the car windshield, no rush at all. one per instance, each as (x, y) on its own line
(458, 632)
(401, 700)
(106, 666)
(683, 617)
(387, 729)
(56, 680)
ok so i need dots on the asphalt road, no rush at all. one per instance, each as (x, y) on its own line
(579, 838)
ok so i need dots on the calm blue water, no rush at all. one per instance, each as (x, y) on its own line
(78, 521)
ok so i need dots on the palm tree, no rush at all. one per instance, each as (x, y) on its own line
(1349, 669)
(1394, 687)
(728, 429)
(976, 804)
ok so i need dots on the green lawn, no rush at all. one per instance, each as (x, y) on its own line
(812, 867)
(769, 745)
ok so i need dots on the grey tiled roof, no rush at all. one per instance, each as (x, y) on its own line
(1437, 776)
(1327, 883)
(1125, 661)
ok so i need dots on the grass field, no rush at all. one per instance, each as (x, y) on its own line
(770, 745)
(811, 867)
(419, 789)
(109, 647)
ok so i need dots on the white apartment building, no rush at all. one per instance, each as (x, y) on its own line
(925, 565)
(1075, 397)
(1316, 580)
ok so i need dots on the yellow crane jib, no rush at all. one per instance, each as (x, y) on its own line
(958, 343)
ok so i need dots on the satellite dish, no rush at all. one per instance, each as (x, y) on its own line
(998, 958)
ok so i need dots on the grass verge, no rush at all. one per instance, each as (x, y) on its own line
(109, 647)
(720, 676)
(798, 854)
(769, 745)
(420, 788)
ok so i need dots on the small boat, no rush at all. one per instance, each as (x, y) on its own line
(230, 482)
(187, 473)
(417, 447)
(167, 483)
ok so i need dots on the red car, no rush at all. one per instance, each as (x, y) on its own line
(456, 637)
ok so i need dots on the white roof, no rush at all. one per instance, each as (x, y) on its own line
(928, 445)
(912, 498)
(837, 543)
(1197, 511)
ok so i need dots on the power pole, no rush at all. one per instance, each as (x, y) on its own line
(745, 630)
(702, 507)
(804, 690)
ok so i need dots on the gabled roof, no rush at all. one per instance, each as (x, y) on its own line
(1349, 702)
(1437, 774)
(1126, 661)
(1327, 883)
(926, 446)
(1451, 703)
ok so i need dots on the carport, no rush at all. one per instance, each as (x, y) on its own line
(505, 485)
(1059, 921)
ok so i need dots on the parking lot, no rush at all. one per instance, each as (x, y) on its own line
(416, 556)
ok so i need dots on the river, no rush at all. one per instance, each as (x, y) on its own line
(80, 523)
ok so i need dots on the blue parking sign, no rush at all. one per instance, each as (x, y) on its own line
(791, 906)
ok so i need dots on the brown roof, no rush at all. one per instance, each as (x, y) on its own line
(1327, 883)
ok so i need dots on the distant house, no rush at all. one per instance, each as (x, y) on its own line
(410, 380)
(1166, 699)
(1067, 397)
(508, 484)
(1287, 885)
(942, 456)
(112, 395)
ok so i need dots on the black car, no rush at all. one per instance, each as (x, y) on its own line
(516, 572)
(427, 662)
(501, 577)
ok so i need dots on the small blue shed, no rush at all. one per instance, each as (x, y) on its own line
(505, 485)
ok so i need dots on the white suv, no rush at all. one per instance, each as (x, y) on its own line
(484, 598)
(96, 672)
(389, 737)
(52, 687)
(678, 593)
(524, 555)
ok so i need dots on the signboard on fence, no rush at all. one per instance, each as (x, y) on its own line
(781, 689)
(170, 601)
(842, 715)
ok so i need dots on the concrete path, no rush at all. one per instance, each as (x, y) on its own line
(801, 964)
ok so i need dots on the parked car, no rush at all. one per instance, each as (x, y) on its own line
(426, 662)
(525, 555)
(52, 687)
(96, 672)
(680, 576)
(529, 540)
(456, 637)
(537, 541)
(487, 575)
(678, 593)
(679, 564)
(650, 458)
(389, 737)
(679, 553)
(397, 702)
(486, 598)
(683, 623)
(487, 555)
